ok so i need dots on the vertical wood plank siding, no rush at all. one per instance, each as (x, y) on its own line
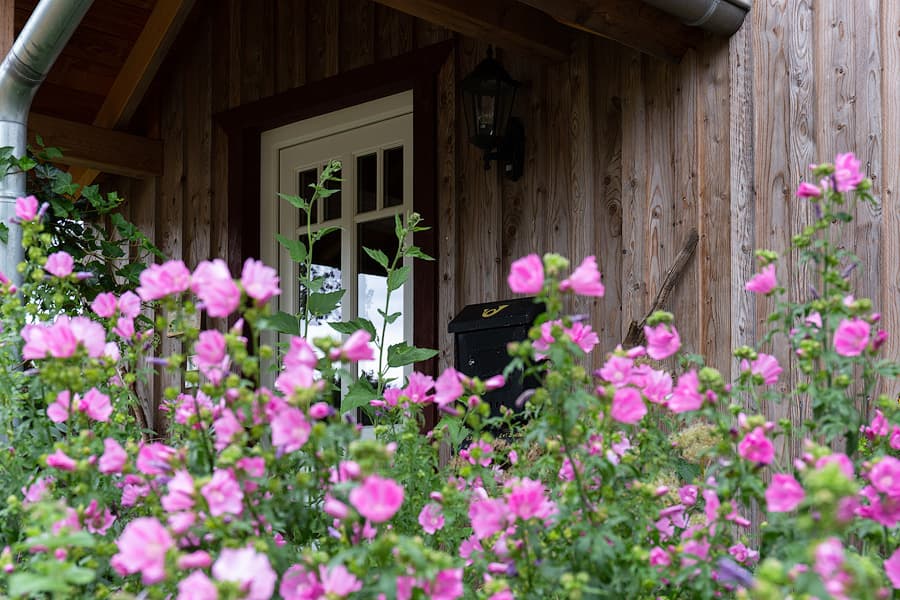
(625, 154)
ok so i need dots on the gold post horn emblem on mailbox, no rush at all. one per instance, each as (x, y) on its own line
(490, 312)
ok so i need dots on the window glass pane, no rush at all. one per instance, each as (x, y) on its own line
(332, 204)
(366, 182)
(326, 267)
(372, 288)
(393, 177)
(307, 178)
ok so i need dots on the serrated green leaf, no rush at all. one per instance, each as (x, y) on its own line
(398, 227)
(402, 354)
(296, 248)
(378, 256)
(359, 394)
(318, 235)
(389, 318)
(416, 252)
(295, 201)
(4, 233)
(111, 249)
(397, 278)
(348, 327)
(281, 322)
(322, 303)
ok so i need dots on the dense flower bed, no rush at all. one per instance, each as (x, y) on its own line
(637, 481)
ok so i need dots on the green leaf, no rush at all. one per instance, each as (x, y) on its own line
(53, 153)
(295, 201)
(348, 327)
(398, 228)
(378, 256)
(389, 318)
(359, 394)
(26, 163)
(281, 322)
(79, 575)
(402, 354)
(296, 248)
(4, 233)
(416, 252)
(322, 303)
(111, 250)
(397, 278)
(318, 235)
(30, 585)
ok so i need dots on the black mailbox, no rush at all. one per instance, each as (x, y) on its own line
(482, 334)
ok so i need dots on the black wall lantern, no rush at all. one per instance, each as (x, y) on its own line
(488, 95)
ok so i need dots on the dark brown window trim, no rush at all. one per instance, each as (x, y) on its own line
(417, 71)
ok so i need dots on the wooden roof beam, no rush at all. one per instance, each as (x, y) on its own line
(138, 71)
(96, 148)
(502, 22)
(628, 22)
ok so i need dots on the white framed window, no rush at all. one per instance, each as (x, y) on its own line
(373, 142)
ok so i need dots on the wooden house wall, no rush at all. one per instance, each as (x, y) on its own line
(625, 154)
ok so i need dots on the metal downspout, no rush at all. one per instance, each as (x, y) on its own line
(723, 17)
(21, 73)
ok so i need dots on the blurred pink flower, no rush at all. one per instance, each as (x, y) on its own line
(766, 366)
(95, 404)
(338, 582)
(356, 347)
(851, 337)
(60, 460)
(130, 305)
(180, 494)
(154, 459)
(225, 428)
(290, 429)
(58, 411)
(527, 499)
(300, 584)
(846, 172)
(214, 286)
(26, 208)
(447, 585)
(488, 516)
(223, 494)
(98, 520)
(764, 281)
(784, 493)
(627, 406)
(447, 388)
(377, 498)
(756, 447)
(431, 518)
(892, 569)
(299, 354)
(585, 279)
(808, 190)
(197, 586)
(59, 264)
(249, 569)
(259, 281)
(159, 281)
(142, 549)
(113, 458)
(885, 476)
(686, 396)
(526, 275)
(662, 341)
(104, 305)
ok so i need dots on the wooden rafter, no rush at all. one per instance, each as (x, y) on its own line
(97, 148)
(502, 22)
(138, 71)
(629, 22)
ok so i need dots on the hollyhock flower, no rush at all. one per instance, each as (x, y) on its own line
(59, 264)
(756, 447)
(766, 366)
(447, 388)
(851, 337)
(377, 499)
(60, 460)
(225, 428)
(526, 275)
(130, 305)
(113, 458)
(338, 582)
(104, 305)
(808, 190)
(26, 208)
(742, 553)
(418, 386)
(829, 558)
(892, 569)
(356, 347)
(627, 406)
(37, 490)
(843, 462)
(584, 280)
(662, 341)
(488, 516)
(659, 557)
(197, 586)
(96, 405)
(300, 354)
(300, 584)
(290, 429)
(296, 378)
(223, 494)
(159, 281)
(431, 518)
(617, 370)
(181, 492)
(764, 281)
(124, 328)
(528, 499)
(142, 549)
(58, 411)
(97, 520)
(259, 281)
(885, 476)
(153, 459)
(210, 348)
(60, 339)
(35, 337)
(656, 385)
(686, 396)
(895, 438)
(249, 569)
(214, 286)
(784, 493)
(335, 508)
(447, 585)
(688, 494)
(846, 172)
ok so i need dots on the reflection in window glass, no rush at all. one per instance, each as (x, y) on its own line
(326, 267)
(367, 182)
(393, 177)
(307, 178)
(332, 204)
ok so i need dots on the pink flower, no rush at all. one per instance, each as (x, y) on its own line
(659, 557)
(61, 340)
(377, 499)
(59, 264)
(26, 208)
(214, 286)
(885, 476)
(223, 494)
(488, 516)
(766, 366)
(686, 396)
(159, 281)
(154, 459)
(142, 549)
(290, 429)
(124, 328)
(617, 370)
(96, 405)
(225, 428)
(104, 305)
(249, 569)
(97, 520)
(447, 388)
(130, 305)
(846, 172)
(808, 190)
(892, 569)
(784, 493)
(526, 275)
(300, 584)
(431, 518)
(584, 280)
(764, 281)
(688, 494)
(259, 281)
(113, 458)
(37, 491)
(60, 460)
(627, 406)
(58, 411)
(528, 499)
(88, 333)
(895, 438)
(335, 508)
(842, 461)
(447, 585)
(662, 341)
(756, 447)
(181, 493)
(296, 378)
(851, 337)
(300, 354)
(197, 586)
(211, 356)
(338, 582)
(829, 558)
(357, 347)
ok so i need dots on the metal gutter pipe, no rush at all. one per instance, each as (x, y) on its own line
(723, 17)
(21, 73)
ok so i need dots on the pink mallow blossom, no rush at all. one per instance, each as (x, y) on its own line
(487, 516)
(847, 174)
(808, 190)
(300, 584)
(662, 341)
(784, 493)
(527, 499)
(447, 388)
(62, 461)
(756, 447)
(290, 429)
(59, 264)
(526, 275)
(159, 281)
(431, 518)
(686, 395)
(764, 281)
(627, 406)
(26, 208)
(447, 585)
(197, 586)
(338, 582)
(377, 498)
(851, 337)
(223, 494)
(96, 405)
(892, 569)
(766, 366)
(214, 286)
(355, 348)
(585, 279)
(104, 305)
(247, 568)
(142, 549)
(260, 282)
(113, 458)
